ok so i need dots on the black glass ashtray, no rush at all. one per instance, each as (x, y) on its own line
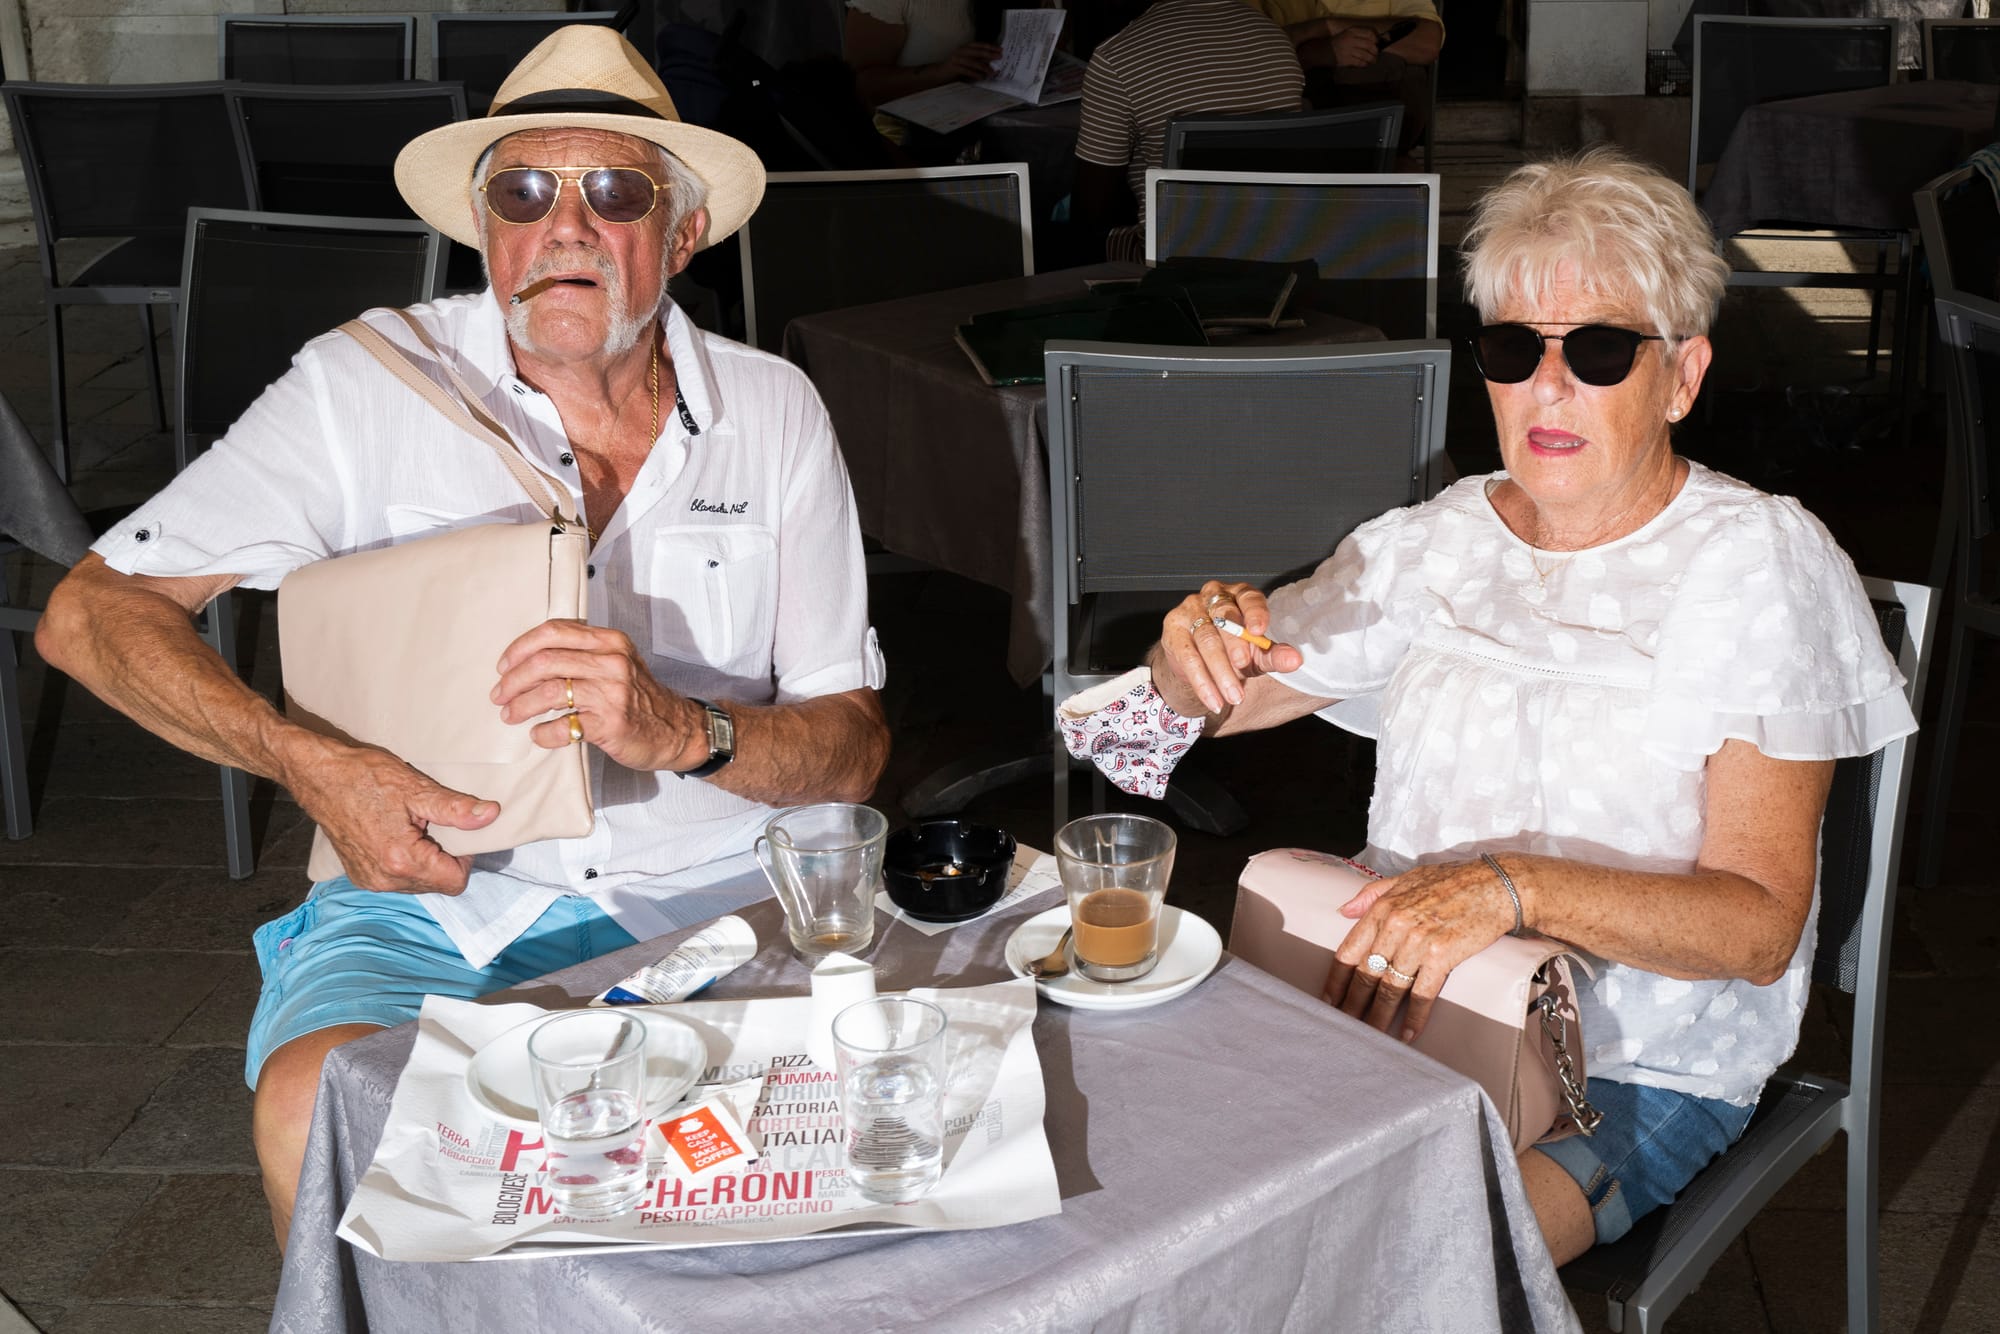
(947, 870)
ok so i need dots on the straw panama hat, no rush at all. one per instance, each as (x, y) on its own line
(581, 77)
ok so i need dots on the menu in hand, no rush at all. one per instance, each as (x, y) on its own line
(1030, 72)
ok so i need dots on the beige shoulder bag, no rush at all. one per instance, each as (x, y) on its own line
(396, 647)
(1506, 1017)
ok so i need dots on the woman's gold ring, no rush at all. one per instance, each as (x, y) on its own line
(569, 693)
(1377, 964)
(575, 730)
(1197, 623)
(1401, 977)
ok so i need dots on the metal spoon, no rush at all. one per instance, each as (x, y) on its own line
(1055, 963)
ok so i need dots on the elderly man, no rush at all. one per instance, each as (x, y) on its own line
(726, 667)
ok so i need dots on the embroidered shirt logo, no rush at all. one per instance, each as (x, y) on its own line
(719, 507)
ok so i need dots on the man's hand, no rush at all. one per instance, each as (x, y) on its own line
(376, 810)
(597, 675)
(1355, 47)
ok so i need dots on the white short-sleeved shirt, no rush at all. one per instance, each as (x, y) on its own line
(1565, 704)
(932, 29)
(734, 564)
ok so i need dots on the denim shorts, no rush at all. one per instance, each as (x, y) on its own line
(355, 956)
(1651, 1143)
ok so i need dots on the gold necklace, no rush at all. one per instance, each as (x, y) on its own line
(653, 378)
(1542, 575)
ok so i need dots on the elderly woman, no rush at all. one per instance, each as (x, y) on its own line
(1607, 685)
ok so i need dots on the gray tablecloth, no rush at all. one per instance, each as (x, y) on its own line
(1241, 1158)
(1845, 159)
(947, 469)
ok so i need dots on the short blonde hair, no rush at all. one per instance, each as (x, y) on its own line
(1623, 228)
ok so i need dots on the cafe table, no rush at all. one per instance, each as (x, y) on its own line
(1239, 1158)
(1848, 159)
(948, 469)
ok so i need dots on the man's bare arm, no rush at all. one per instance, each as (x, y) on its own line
(131, 641)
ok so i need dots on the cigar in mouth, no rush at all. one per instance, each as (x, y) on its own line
(535, 288)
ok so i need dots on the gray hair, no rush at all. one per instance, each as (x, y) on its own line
(1623, 228)
(686, 191)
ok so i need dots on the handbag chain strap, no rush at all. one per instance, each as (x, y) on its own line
(1556, 1026)
(464, 409)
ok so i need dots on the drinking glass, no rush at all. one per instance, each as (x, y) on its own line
(1115, 870)
(890, 1055)
(825, 864)
(589, 1073)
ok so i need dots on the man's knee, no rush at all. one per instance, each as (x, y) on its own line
(286, 1086)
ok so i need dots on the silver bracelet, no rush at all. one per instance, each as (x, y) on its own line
(1508, 882)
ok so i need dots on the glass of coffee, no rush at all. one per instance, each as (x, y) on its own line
(1114, 871)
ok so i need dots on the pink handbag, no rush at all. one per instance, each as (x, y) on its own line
(396, 647)
(1506, 1017)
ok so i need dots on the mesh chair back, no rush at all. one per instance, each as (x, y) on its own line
(1847, 835)
(1353, 139)
(1741, 62)
(1967, 49)
(824, 240)
(1961, 230)
(124, 161)
(1167, 468)
(259, 285)
(1374, 237)
(318, 48)
(481, 50)
(1970, 332)
(332, 151)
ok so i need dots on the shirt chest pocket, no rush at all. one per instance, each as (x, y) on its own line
(714, 597)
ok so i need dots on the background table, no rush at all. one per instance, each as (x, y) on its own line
(946, 468)
(1240, 1158)
(1846, 159)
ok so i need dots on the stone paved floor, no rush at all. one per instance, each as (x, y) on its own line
(128, 1198)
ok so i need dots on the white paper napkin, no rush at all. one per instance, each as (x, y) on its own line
(839, 981)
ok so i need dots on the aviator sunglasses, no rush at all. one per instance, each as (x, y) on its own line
(524, 195)
(1597, 354)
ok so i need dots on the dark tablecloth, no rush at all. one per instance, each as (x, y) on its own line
(1042, 137)
(946, 468)
(1242, 1158)
(1845, 159)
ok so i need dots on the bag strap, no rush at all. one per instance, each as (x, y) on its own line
(463, 409)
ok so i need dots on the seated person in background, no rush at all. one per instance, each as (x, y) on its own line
(726, 566)
(1357, 51)
(1176, 58)
(1607, 687)
(899, 47)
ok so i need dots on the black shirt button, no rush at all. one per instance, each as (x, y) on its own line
(143, 535)
(567, 460)
(590, 873)
(590, 571)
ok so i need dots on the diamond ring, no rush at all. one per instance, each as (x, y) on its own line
(1377, 964)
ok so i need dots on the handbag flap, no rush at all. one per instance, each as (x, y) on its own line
(397, 647)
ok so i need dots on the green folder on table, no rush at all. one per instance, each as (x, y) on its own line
(1233, 293)
(1005, 346)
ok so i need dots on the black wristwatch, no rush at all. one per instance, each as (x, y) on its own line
(721, 740)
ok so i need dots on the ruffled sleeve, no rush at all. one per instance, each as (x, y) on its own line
(1355, 617)
(1770, 639)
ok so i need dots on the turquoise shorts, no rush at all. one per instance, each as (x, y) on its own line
(354, 956)
(1651, 1143)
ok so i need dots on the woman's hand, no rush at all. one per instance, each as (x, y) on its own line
(971, 63)
(1208, 665)
(1425, 922)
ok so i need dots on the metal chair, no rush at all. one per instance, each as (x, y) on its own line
(331, 151)
(38, 515)
(1646, 1274)
(1740, 62)
(124, 162)
(1373, 236)
(1969, 333)
(235, 338)
(317, 48)
(1348, 139)
(1966, 49)
(481, 50)
(821, 240)
(1155, 456)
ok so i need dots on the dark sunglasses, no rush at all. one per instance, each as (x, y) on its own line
(524, 195)
(1597, 354)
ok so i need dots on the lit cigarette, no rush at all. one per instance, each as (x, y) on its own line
(1232, 628)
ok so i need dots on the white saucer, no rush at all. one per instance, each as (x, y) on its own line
(1189, 949)
(498, 1080)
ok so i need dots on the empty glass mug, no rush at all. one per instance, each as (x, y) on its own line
(824, 863)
